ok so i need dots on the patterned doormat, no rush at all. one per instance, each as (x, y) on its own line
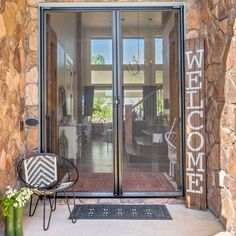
(122, 212)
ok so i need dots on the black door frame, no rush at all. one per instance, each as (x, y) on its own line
(115, 9)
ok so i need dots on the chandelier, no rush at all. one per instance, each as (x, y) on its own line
(135, 67)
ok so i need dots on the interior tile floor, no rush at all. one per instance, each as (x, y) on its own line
(185, 222)
(97, 157)
(140, 173)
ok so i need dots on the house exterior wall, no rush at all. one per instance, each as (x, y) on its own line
(214, 20)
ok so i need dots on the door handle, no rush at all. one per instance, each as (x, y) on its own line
(116, 102)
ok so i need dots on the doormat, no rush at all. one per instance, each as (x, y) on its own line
(122, 212)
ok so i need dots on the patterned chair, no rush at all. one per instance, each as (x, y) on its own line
(170, 138)
(47, 175)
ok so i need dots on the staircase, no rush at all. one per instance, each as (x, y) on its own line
(138, 139)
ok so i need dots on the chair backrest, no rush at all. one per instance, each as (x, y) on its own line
(41, 170)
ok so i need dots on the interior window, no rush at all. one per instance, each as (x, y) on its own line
(101, 60)
(158, 50)
(101, 51)
(133, 50)
(133, 60)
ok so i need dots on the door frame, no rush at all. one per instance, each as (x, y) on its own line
(115, 9)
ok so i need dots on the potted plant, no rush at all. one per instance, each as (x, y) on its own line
(12, 209)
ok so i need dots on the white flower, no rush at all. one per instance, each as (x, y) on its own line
(20, 196)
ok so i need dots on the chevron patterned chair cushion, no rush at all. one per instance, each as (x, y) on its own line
(48, 174)
(41, 170)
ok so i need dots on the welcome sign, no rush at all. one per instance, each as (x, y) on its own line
(195, 124)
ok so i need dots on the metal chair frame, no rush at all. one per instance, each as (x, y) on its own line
(171, 142)
(50, 191)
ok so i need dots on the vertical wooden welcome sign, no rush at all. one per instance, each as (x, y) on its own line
(195, 171)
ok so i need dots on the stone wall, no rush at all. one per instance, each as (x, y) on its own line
(31, 69)
(12, 86)
(18, 82)
(218, 29)
(228, 138)
(211, 19)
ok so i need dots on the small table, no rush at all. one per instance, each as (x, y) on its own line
(150, 134)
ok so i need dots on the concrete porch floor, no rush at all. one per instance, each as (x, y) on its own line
(185, 222)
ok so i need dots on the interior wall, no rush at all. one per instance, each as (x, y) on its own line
(64, 25)
(166, 78)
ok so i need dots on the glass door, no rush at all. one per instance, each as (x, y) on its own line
(111, 98)
(78, 110)
(150, 89)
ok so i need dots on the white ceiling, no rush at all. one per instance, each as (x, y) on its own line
(128, 19)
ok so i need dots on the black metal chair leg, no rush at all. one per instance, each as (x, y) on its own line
(73, 196)
(30, 209)
(54, 203)
(45, 227)
(73, 217)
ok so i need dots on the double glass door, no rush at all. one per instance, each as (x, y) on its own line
(111, 98)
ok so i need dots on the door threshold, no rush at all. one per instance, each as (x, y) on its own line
(106, 200)
(124, 195)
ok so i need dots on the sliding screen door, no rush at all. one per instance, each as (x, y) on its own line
(150, 89)
(111, 95)
(78, 115)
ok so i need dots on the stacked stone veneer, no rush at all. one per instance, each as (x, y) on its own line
(228, 139)
(218, 27)
(212, 19)
(18, 82)
(12, 86)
